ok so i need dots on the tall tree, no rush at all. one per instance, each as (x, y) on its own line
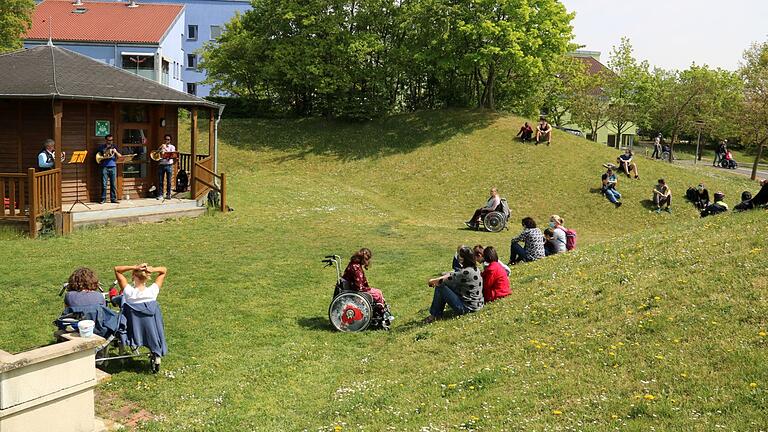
(754, 72)
(560, 89)
(15, 20)
(591, 105)
(623, 88)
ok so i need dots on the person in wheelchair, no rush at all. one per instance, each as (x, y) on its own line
(138, 303)
(728, 161)
(491, 205)
(84, 301)
(461, 289)
(355, 275)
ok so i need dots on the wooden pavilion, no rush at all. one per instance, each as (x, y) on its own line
(50, 92)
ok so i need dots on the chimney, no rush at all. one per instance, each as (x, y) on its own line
(133, 4)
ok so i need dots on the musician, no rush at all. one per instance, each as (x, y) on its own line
(165, 168)
(108, 168)
(45, 159)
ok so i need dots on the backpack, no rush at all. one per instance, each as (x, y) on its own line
(746, 196)
(182, 181)
(570, 239)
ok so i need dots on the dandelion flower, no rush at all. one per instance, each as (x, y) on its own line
(752, 385)
(557, 412)
(649, 397)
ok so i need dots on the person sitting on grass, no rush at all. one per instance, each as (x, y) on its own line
(533, 241)
(662, 196)
(608, 187)
(461, 289)
(83, 289)
(544, 129)
(626, 164)
(558, 233)
(699, 196)
(491, 205)
(525, 133)
(760, 199)
(495, 277)
(355, 275)
(479, 251)
(717, 207)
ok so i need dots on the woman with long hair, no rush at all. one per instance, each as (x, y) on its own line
(355, 275)
(83, 289)
(461, 289)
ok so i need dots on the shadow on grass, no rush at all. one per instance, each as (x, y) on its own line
(316, 323)
(648, 204)
(139, 365)
(353, 141)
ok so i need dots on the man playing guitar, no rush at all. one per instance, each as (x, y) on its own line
(165, 167)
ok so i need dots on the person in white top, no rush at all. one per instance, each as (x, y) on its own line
(137, 291)
(491, 205)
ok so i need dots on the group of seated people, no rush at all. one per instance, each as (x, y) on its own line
(543, 131)
(699, 196)
(138, 299)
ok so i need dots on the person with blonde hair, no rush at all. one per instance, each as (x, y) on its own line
(558, 239)
(137, 291)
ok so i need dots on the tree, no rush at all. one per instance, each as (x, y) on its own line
(559, 89)
(15, 20)
(622, 88)
(590, 104)
(754, 72)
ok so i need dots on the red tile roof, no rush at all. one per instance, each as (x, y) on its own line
(594, 67)
(103, 22)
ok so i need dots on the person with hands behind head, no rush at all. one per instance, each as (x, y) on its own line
(137, 291)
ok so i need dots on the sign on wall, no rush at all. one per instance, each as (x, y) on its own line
(102, 128)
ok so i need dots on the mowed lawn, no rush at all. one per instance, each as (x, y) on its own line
(656, 321)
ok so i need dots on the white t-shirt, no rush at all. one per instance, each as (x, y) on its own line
(132, 295)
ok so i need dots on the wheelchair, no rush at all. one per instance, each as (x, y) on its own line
(728, 163)
(110, 324)
(497, 220)
(354, 311)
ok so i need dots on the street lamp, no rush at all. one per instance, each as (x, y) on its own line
(699, 125)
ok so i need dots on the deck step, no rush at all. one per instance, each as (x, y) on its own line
(145, 213)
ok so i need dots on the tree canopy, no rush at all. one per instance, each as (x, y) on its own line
(15, 20)
(366, 58)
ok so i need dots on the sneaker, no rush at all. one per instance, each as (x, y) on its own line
(168, 196)
(102, 201)
(159, 197)
(618, 204)
(115, 202)
(637, 177)
(549, 142)
(668, 210)
(468, 224)
(658, 210)
(429, 320)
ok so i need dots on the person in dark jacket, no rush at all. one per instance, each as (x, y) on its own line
(699, 196)
(717, 207)
(760, 199)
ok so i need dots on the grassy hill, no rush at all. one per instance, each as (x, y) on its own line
(656, 321)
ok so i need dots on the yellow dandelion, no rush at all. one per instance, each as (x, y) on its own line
(614, 416)
(684, 375)
(752, 385)
(451, 386)
(337, 428)
(762, 334)
(649, 397)
(659, 357)
(557, 412)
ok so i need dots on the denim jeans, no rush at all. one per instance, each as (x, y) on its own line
(111, 174)
(167, 172)
(518, 253)
(612, 194)
(718, 158)
(444, 295)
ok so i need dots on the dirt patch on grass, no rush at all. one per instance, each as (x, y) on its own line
(109, 406)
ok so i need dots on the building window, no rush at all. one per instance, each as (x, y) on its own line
(140, 64)
(192, 88)
(191, 61)
(215, 32)
(191, 32)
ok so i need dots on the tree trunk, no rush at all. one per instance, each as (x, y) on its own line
(757, 159)
(672, 146)
(490, 103)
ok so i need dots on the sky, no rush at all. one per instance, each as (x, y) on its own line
(672, 34)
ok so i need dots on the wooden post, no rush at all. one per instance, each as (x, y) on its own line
(193, 145)
(211, 133)
(19, 144)
(58, 113)
(223, 187)
(33, 198)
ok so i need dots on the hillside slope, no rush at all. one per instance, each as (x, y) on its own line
(656, 321)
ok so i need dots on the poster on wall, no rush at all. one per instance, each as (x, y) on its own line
(102, 128)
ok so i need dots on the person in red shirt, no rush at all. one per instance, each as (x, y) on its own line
(495, 279)
(355, 275)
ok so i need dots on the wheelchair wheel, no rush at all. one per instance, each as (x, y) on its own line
(494, 221)
(350, 312)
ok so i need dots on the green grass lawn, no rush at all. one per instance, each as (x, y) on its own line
(656, 322)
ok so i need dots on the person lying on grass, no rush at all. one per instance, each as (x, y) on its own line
(662, 196)
(717, 207)
(137, 291)
(533, 241)
(461, 289)
(83, 289)
(355, 275)
(608, 187)
(626, 164)
(493, 202)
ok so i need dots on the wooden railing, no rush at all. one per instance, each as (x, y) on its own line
(204, 180)
(28, 196)
(185, 161)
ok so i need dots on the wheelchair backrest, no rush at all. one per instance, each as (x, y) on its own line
(504, 207)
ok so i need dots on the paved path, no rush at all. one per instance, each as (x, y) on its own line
(762, 169)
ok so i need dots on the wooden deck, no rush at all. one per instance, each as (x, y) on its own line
(132, 211)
